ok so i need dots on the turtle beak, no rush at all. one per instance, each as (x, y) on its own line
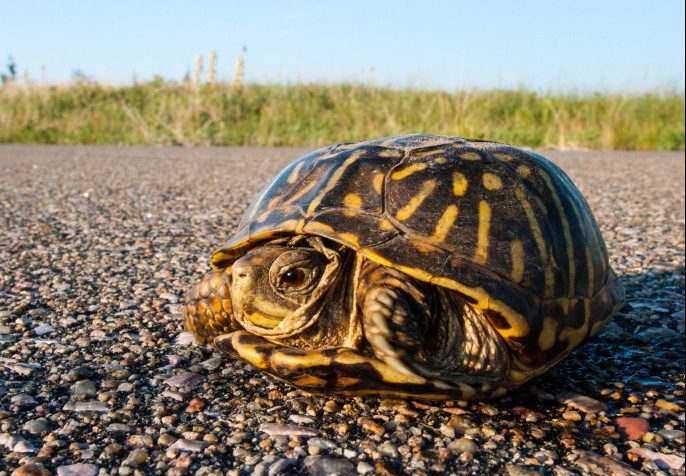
(208, 311)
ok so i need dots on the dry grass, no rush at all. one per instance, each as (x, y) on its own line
(160, 112)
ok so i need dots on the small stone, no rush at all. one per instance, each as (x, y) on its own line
(86, 407)
(136, 458)
(281, 466)
(174, 395)
(662, 460)
(301, 420)
(84, 388)
(24, 446)
(197, 404)
(23, 400)
(669, 406)
(632, 428)
(36, 427)
(43, 329)
(183, 444)
(462, 445)
(364, 468)
(125, 387)
(325, 466)
(331, 406)
(322, 443)
(371, 426)
(31, 469)
(78, 470)
(118, 428)
(274, 429)
(590, 463)
(571, 415)
(582, 402)
(166, 439)
(185, 380)
(185, 338)
(671, 434)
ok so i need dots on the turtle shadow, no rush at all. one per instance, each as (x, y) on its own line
(642, 347)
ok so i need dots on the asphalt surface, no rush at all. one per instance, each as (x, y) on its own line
(99, 244)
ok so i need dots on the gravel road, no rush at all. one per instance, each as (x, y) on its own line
(99, 244)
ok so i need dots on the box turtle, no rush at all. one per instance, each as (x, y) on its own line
(412, 266)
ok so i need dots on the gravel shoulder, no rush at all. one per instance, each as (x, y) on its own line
(99, 244)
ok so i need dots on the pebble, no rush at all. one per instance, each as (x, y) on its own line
(301, 420)
(571, 415)
(662, 460)
(84, 388)
(462, 445)
(326, 466)
(274, 429)
(371, 426)
(670, 406)
(364, 467)
(185, 380)
(43, 329)
(136, 457)
(321, 443)
(23, 400)
(31, 469)
(36, 427)
(671, 434)
(183, 444)
(118, 428)
(632, 428)
(582, 402)
(72, 406)
(78, 470)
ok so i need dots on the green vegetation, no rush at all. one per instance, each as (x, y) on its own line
(160, 112)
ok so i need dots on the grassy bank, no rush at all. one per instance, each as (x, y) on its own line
(161, 112)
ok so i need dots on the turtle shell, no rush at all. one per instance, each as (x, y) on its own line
(503, 227)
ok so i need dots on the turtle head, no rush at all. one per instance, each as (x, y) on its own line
(271, 283)
(293, 291)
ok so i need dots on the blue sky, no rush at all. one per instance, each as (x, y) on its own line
(579, 45)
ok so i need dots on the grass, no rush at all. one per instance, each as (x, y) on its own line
(160, 112)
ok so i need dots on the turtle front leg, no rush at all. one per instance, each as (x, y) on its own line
(396, 316)
(208, 312)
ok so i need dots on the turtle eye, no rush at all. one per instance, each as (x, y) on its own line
(293, 278)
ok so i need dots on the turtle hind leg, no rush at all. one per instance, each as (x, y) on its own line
(396, 316)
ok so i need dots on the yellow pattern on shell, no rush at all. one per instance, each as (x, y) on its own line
(492, 181)
(460, 184)
(298, 361)
(481, 252)
(517, 256)
(377, 182)
(424, 192)
(470, 156)
(350, 239)
(445, 223)
(352, 200)
(317, 227)
(293, 176)
(546, 339)
(385, 224)
(309, 381)
(524, 171)
(503, 157)
(409, 170)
